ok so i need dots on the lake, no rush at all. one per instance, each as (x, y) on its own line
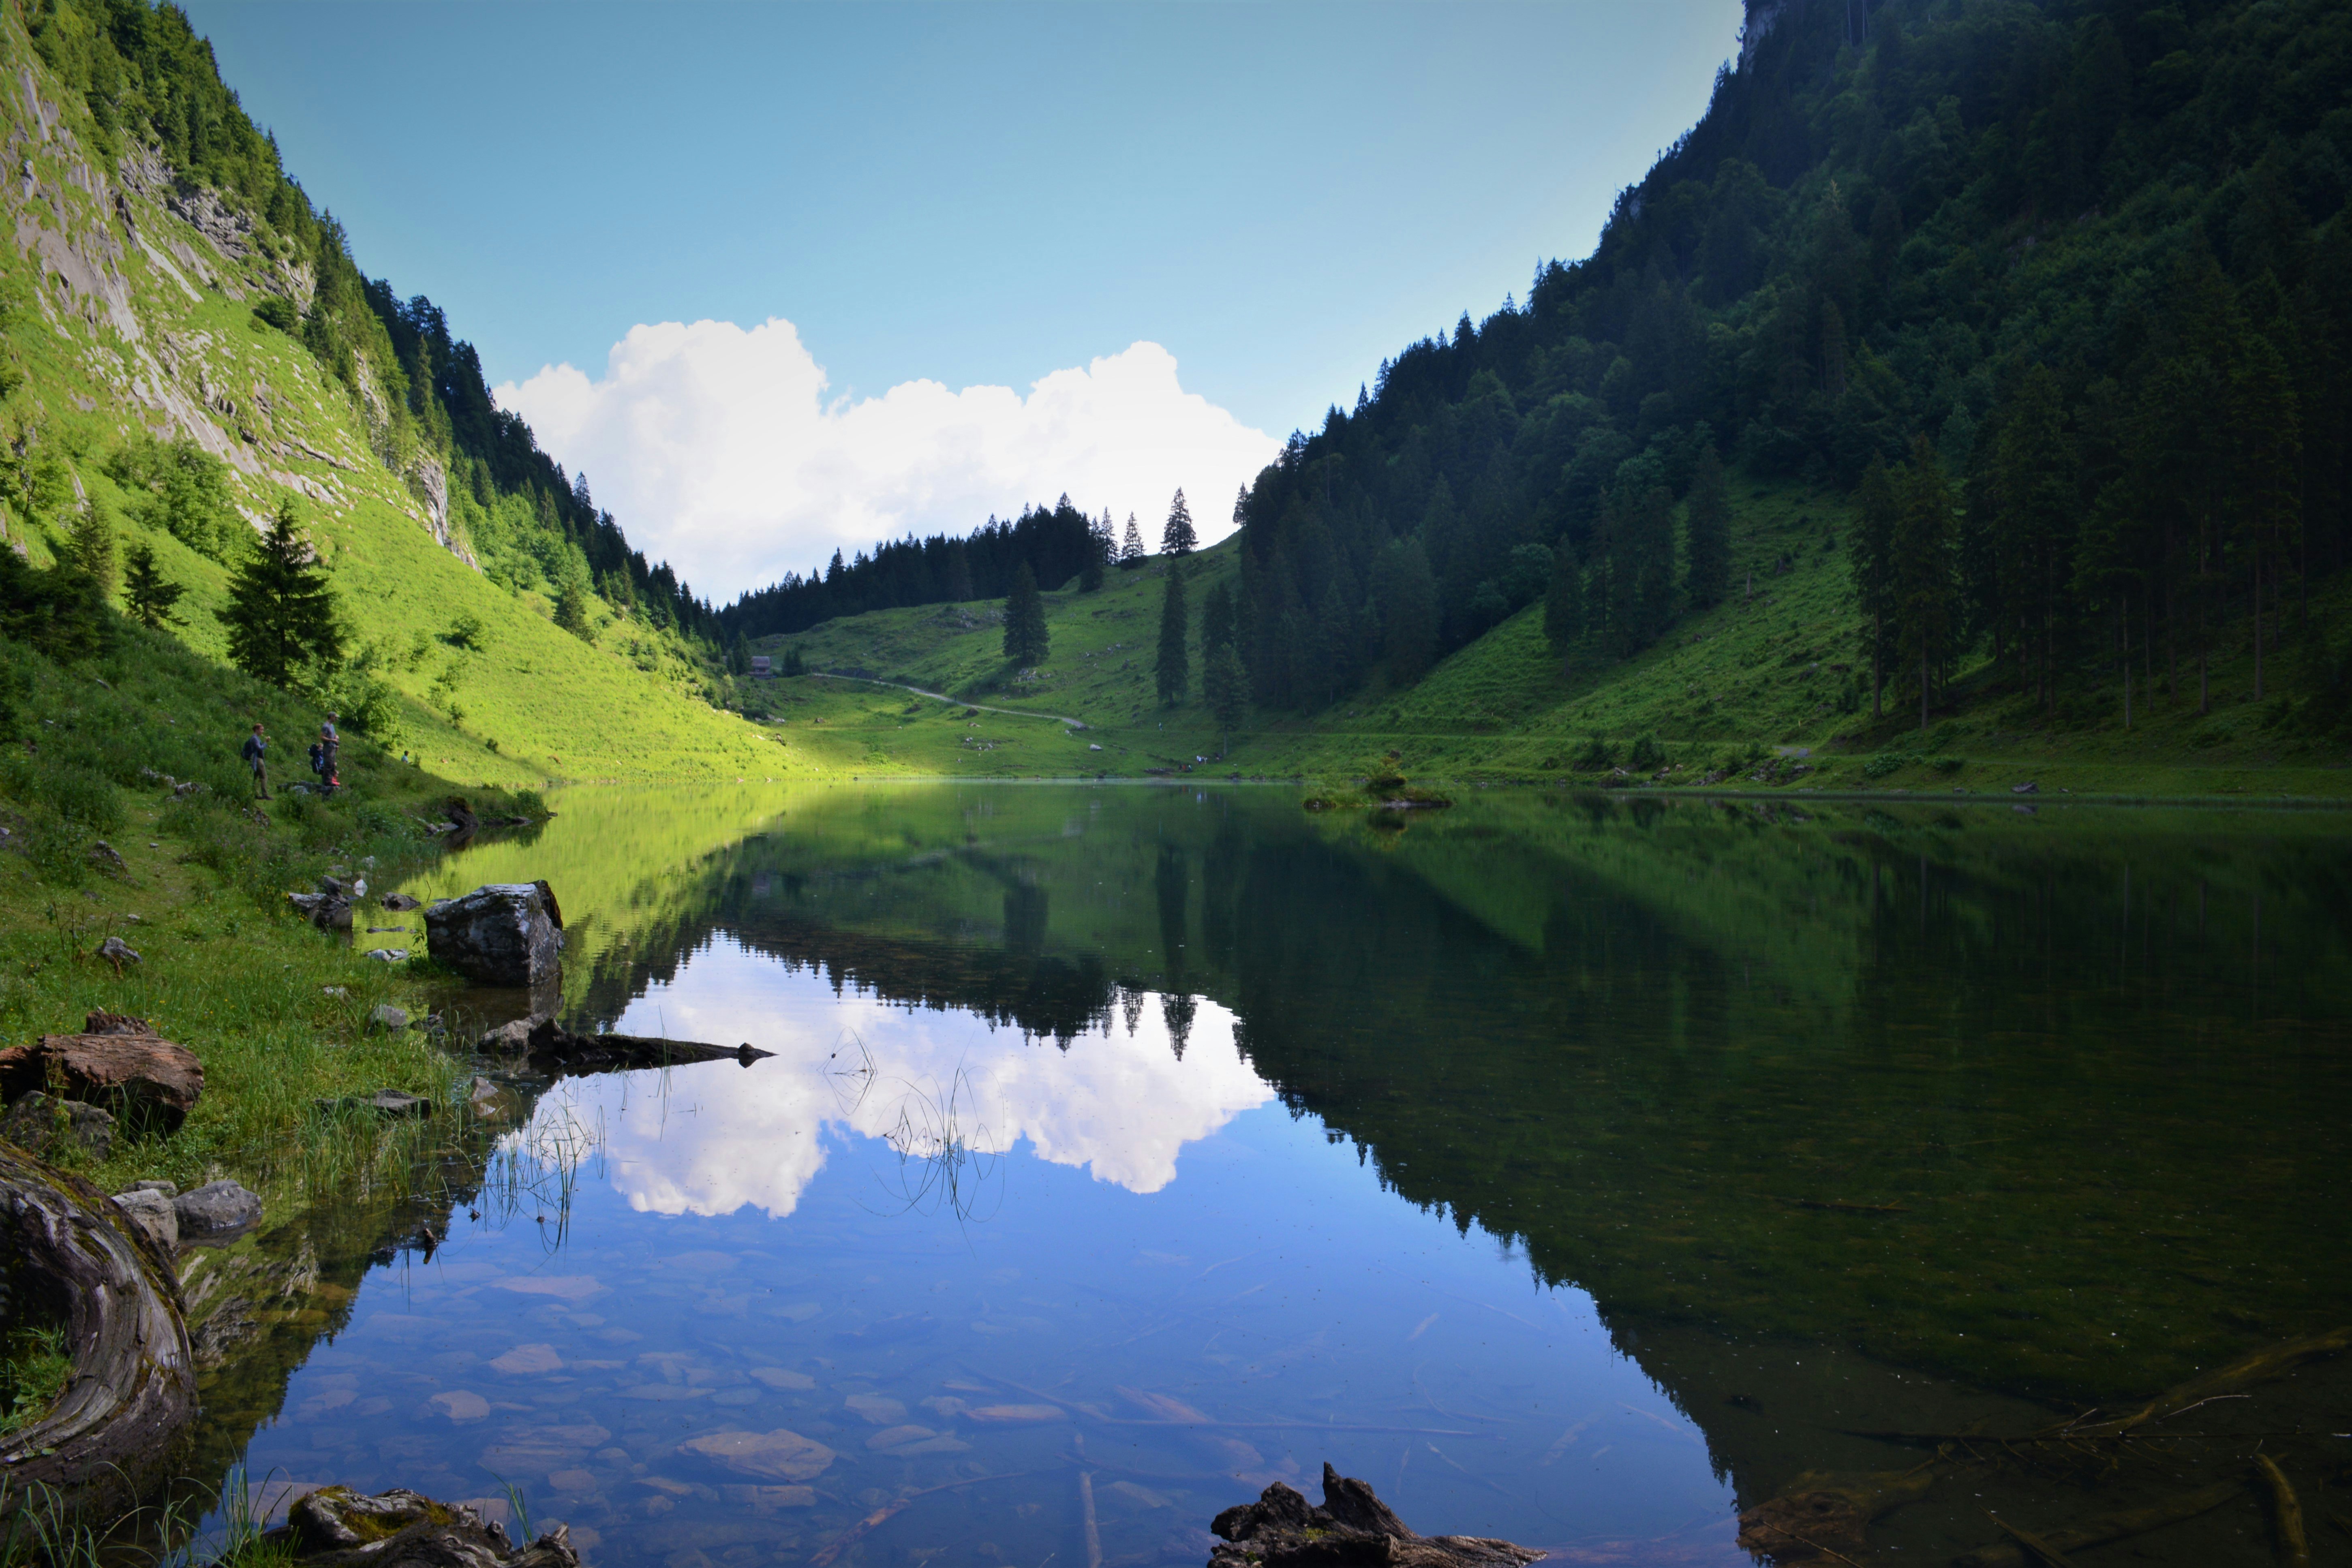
(1575, 1169)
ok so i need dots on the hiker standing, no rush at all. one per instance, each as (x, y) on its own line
(255, 753)
(332, 743)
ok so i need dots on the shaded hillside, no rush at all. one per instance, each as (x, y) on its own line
(2071, 277)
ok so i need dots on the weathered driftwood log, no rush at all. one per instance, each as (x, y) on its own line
(338, 1528)
(554, 1045)
(1353, 1529)
(117, 1063)
(72, 1252)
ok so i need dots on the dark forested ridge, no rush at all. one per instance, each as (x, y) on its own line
(2060, 293)
(1056, 543)
(153, 89)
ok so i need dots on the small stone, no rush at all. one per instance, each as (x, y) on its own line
(510, 1039)
(117, 953)
(216, 1209)
(152, 1212)
(777, 1377)
(877, 1410)
(388, 1017)
(106, 857)
(397, 901)
(336, 990)
(528, 1361)
(154, 1185)
(387, 955)
(2031, 786)
(460, 1405)
(571, 1481)
(897, 1438)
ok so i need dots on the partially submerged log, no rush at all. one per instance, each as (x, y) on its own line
(71, 1251)
(336, 1527)
(2104, 1529)
(1353, 1529)
(553, 1045)
(1824, 1515)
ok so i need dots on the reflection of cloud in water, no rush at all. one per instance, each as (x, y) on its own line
(721, 1137)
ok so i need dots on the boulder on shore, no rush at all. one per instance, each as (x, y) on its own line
(46, 1128)
(153, 1213)
(1353, 1529)
(140, 1078)
(216, 1209)
(336, 1526)
(501, 934)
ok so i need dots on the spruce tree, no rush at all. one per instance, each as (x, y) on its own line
(282, 609)
(145, 593)
(1870, 562)
(1177, 538)
(1026, 639)
(1173, 670)
(1130, 549)
(1564, 601)
(1707, 575)
(89, 545)
(1927, 594)
(1407, 591)
(1225, 687)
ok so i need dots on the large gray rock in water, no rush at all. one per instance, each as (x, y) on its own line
(216, 1209)
(502, 934)
(1353, 1529)
(335, 1527)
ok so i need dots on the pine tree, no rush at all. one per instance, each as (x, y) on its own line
(1872, 564)
(2035, 498)
(1926, 594)
(1172, 671)
(282, 609)
(89, 545)
(1707, 576)
(145, 593)
(1406, 592)
(1564, 601)
(1026, 639)
(1177, 539)
(1130, 549)
(1224, 684)
(571, 602)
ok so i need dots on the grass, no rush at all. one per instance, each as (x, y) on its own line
(1766, 691)
(33, 1373)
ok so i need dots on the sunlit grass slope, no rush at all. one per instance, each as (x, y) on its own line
(1776, 668)
(135, 323)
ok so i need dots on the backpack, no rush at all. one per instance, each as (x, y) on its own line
(318, 758)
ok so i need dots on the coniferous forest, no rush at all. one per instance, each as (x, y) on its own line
(2059, 294)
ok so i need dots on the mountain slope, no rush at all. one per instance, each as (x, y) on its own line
(140, 324)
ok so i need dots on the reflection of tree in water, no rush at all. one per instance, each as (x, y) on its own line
(1176, 1010)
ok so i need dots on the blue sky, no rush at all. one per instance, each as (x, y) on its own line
(975, 195)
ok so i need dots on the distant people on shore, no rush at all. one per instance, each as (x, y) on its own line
(255, 753)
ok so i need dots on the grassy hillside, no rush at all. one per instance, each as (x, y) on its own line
(1764, 692)
(132, 323)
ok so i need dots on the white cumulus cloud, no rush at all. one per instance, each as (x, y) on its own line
(716, 448)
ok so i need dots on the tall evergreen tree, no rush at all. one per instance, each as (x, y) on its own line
(1872, 564)
(146, 594)
(1926, 593)
(282, 609)
(90, 542)
(2268, 506)
(1564, 601)
(1707, 576)
(1172, 671)
(1026, 639)
(1223, 686)
(1406, 594)
(1130, 548)
(2036, 495)
(1177, 537)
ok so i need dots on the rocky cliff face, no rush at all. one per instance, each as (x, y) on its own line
(145, 282)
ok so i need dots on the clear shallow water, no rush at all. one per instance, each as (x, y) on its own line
(1574, 1173)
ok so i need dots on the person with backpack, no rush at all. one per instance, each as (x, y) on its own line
(332, 743)
(256, 751)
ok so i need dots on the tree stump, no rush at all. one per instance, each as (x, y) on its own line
(71, 1250)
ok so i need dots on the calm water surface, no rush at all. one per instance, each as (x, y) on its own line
(1575, 1170)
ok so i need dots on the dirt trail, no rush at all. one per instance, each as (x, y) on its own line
(942, 696)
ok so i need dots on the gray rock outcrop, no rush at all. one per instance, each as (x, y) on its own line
(335, 1527)
(501, 934)
(215, 1210)
(46, 1127)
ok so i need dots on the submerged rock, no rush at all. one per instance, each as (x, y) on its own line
(139, 1077)
(397, 901)
(1353, 1529)
(779, 1455)
(501, 934)
(216, 1209)
(336, 1526)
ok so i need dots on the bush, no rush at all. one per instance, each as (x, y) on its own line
(279, 311)
(1886, 763)
(1646, 755)
(1597, 753)
(1949, 764)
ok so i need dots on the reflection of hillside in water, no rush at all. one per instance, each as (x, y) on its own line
(1906, 1081)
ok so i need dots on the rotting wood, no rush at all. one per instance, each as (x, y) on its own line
(2286, 1514)
(134, 1381)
